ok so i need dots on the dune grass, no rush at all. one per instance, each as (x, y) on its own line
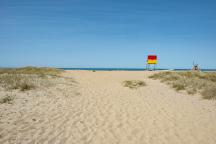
(25, 78)
(209, 92)
(192, 82)
(17, 81)
(133, 84)
(32, 70)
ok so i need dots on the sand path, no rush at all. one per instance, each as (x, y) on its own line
(105, 112)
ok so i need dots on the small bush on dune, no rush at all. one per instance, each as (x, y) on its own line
(178, 86)
(7, 99)
(192, 91)
(134, 84)
(26, 86)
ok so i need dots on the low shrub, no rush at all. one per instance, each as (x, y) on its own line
(133, 84)
(7, 99)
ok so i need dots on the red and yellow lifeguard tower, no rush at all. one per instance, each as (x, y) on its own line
(151, 60)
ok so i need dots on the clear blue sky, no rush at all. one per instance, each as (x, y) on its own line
(107, 33)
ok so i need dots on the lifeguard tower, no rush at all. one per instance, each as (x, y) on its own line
(151, 60)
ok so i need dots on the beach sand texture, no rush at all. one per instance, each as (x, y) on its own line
(97, 109)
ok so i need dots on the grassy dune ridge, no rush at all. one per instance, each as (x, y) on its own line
(31, 70)
(192, 82)
(26, 78)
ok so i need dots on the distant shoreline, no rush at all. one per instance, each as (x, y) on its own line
(119, 69)
(132, 69)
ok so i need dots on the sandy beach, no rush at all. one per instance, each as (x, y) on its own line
(86, 107)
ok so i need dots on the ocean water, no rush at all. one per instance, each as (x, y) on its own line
(130, 69)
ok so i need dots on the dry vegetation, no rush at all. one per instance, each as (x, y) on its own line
(32, 70)
(24, 79)
(133, 84)
(192, 82)
(7, 99)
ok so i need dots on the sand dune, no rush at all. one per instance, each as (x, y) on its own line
(99, 110)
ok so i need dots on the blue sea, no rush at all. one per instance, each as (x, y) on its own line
(130, 69)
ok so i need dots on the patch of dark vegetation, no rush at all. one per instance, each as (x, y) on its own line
(192, 82)
(26, 86)
(179, 86)
(7, 99)
(133, 84)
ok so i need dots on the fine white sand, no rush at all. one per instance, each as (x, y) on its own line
(97, 109)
